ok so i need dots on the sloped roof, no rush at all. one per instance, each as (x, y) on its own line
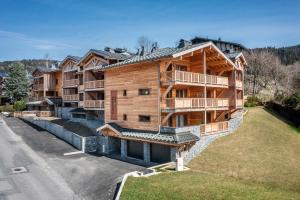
(106, 55)
(78, 110)
(234, 55)
(161, 53)
(166, 137)
(76, 59)
(46, 70)
(215, 41)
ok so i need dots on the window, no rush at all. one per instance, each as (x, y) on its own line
(181, 120)
(56, 81)
(181, 93)
(144, 91)
(124, 117)
(144, 118)
(181, 67)
(124, 93)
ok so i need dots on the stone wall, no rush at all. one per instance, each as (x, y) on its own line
(204, 141)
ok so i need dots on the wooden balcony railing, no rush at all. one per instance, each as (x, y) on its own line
(81, 103)
(212, 128)
(194, 78)
(239, 102)
(81, 88)
(239, 84)
(38, 87)
(94, 103)
(31, 99)
(94, 84)
(34, 112)
(190, 103)
(45, 113)
(71, 97)
(71, 82)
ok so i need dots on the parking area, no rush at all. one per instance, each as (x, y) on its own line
(89, 176)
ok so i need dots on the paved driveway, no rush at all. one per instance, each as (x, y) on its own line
(90, 177)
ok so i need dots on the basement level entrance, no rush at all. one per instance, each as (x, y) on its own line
(160, 153)
(135, 149)
(114, 145)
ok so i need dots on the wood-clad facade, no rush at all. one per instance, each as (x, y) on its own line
(46, 87)
(131, 104)
(160, 101)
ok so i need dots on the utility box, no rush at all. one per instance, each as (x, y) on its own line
(179, 164)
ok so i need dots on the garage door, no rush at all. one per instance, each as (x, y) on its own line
(160, 153)
(135, 149)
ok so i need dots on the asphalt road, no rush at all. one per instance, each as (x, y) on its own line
(38, 182)
(51, 174)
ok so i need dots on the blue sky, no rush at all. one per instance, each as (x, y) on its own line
(33, 28)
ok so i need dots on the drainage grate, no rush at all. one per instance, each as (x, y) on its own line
(18, 170)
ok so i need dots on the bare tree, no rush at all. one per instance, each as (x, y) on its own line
(145, 43)
(264, 70)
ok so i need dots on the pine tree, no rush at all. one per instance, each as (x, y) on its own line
(17, 84)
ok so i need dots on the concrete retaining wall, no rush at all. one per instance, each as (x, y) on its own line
(63, 112)
(86, 144)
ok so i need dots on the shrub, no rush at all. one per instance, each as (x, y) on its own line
(7, 108)
(252, 101)
(292, 101)
(20, 105)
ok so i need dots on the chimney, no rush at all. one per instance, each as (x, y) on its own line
(154, 47)
(142, 51)
(184, 43)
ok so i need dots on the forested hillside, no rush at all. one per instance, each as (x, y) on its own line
(287, 55)
(30, 64)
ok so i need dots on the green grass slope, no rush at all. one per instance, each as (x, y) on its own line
(261, 160)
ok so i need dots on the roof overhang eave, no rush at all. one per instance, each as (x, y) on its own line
(176, 55)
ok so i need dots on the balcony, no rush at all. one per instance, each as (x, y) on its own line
(196, 104)
(45, 113)
(32, 99)
(71, 97)
(212, 128)
(38, 86)
(94, 85)
(71, 83)
(239, 103)
(94, 104)
(239, 84)
(81, 88)
(81, 103)
(191, 78)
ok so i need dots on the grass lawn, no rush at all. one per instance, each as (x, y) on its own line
(261, 160)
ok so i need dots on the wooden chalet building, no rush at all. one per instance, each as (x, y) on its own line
(158, 105)
(153, 106)
(46, 91)
(72, 82)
